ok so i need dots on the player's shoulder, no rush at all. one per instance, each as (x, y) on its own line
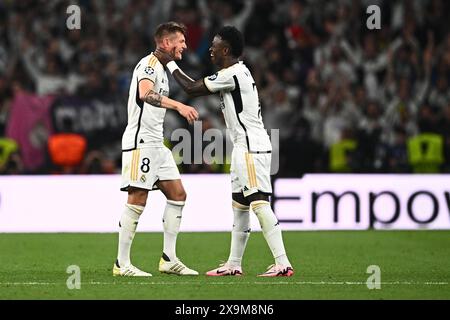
(224, 73)
(143, 61)
(154, 62)
(240, 67)
(151, 64)
(235, 69)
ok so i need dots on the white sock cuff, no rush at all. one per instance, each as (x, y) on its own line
(239, 206)
(135, 208)
(176, 203)
(259, 204)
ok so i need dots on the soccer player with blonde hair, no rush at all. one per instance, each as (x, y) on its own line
(146, 163)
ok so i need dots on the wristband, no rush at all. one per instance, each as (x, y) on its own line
(172, 66)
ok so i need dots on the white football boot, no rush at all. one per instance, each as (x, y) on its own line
(176, 267)
(128, 271)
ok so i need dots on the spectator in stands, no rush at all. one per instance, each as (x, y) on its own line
(315, 64)
(397, 152)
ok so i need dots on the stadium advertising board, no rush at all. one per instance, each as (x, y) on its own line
(315, 202)
(384, 202)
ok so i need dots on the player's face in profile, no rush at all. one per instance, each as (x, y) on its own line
(216, 51)
(177, 45)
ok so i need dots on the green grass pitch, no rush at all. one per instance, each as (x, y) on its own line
(328, 265)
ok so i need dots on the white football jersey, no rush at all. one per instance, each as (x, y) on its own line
(240, 106)
(145, 122)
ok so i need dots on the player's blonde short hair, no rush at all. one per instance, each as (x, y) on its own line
(167, 28)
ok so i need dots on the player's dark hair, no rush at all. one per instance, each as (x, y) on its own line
(234, 38)
(169, 28)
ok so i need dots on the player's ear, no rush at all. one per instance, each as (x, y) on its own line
(166, 43)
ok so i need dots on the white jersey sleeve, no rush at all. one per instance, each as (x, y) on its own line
(147, 72)
(220, 81)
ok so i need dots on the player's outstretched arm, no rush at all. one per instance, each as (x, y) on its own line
(192, 87)
(147, 94)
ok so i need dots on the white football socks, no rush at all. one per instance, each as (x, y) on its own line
(128, 224)
(171, 224)
(271, 231)
(239, 234)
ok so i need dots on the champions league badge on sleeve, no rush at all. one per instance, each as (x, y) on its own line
(149, 70)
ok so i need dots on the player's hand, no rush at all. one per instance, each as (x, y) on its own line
(189, 113)
(163, 56)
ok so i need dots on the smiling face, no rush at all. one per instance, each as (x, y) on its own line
(217, 51)
(175, 43)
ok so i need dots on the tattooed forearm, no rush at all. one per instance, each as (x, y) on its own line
(153, 98)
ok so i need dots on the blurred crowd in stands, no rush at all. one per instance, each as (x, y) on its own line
(345, 98)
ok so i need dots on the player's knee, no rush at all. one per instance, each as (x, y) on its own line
(137, 197)
(137, 201)
(178, 195)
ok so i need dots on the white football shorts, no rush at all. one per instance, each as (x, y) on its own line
(250, 172)
(142, 168)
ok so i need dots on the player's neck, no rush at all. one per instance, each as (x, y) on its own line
(229, 62)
